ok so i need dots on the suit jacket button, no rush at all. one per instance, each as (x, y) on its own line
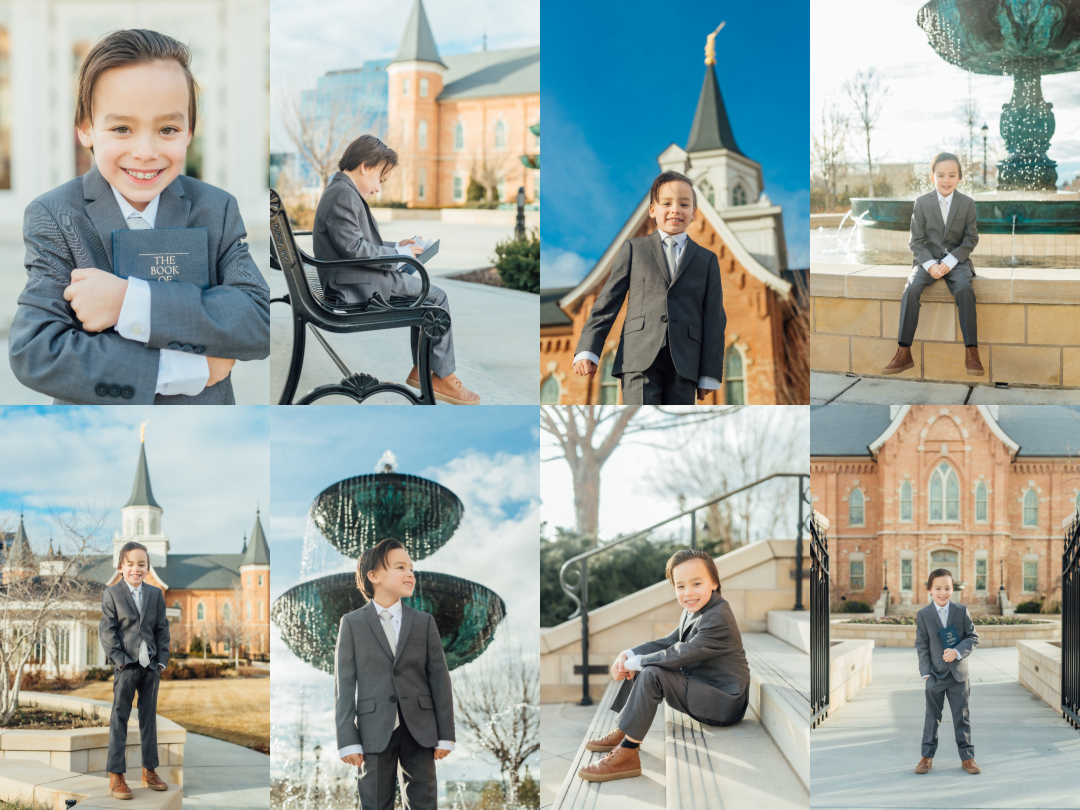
(174, 346)
(114, 390)
(663, 319)
(101, 389)
(127, 392)
(397, 674)
(200, 350)
(393, 699)
(186, 348)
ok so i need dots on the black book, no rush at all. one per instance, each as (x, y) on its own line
(950, 637)
(163, 255)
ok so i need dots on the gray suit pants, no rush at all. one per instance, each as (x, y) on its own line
(379, 775)
(958, 692)
(958, 281)
(442, 352)
(659, 384)
(638, 700)
(127, 682)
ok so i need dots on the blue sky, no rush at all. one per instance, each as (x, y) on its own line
(487, 457)
(621, 81)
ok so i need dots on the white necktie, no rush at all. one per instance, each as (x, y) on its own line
(671, 253)
(944, 201)
(137, 223)
(144, 654)
(388, 628)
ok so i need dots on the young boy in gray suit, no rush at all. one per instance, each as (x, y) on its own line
(944, 231)
(672, 341)
(395, 705)
(87, 336)
(944, 667)
(699, 669)
(134, 632)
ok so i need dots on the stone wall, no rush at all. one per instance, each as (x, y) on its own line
(851, 667)
(901, 635)
(1040, 670)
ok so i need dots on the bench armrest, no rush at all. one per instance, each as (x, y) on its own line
(374, 261)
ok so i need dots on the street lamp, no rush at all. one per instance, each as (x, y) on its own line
(318, 750)
(985, 129)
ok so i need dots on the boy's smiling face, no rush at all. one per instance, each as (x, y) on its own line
(368, 179)
(134, 567)
(941, 590)
(673, 210)
(693, 584)
(140, 130)
(946, 177)
(395, 581)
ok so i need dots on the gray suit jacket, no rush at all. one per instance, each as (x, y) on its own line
(932, 237)
(371, 683)
(71, 227)
(707, 648)
(689, 310)
(345, 229)
(121, 628)
(928, 642)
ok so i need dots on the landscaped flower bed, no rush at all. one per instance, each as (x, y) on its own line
(27, 717)
(978, 620)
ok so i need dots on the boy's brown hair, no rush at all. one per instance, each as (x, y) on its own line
(372, 560)
(938, 572)
(132, 546)
(670, 177)
(679, 557)
(133, 46)
(941, 157)
(367, 150)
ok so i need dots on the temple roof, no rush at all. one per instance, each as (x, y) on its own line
(550, 313)
(510, 72)
(141, 493)
(711, 128)
(417, 42)
(257, 552)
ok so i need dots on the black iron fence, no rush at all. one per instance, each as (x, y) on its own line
(819, 621)
(580, 591)
(1070, 625)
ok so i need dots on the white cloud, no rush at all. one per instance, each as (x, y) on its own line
(562, 268)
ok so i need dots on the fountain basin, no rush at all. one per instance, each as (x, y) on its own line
(1041, 216)
(465, 612)
(356, 513)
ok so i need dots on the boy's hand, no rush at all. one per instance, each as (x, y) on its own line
(618, 670)
(416, 249)
(219, 370)
(584, 367)
(441, 753)
(701, 392)
(950, 656)
(96, 297)
(354, 759)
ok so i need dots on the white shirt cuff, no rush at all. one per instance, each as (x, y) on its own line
(924, 677)
(633, 663)
(181, 373)
(926, 266)
(134, 320)
(445, 745)
(950, 260)
(709, 383)
(587, 356)
(350, 749)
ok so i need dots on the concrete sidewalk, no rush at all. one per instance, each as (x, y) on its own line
(222, 776)
(562, 728)
(827, 387)
(865, 753)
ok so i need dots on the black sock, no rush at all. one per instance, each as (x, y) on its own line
(904, 345)
(627, 744)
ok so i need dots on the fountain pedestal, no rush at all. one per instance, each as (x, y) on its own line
(1027, 125)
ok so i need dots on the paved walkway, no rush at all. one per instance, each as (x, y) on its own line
(562, 728)
(222, 776)
(826, 387)
(461, 247)
(865, 753)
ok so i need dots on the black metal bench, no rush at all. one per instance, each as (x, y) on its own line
(310, 308)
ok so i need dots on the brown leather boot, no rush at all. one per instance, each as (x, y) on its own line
(151, 780)
(605, 743)
(118, 787)
(447, 389)
(924, 765)
(901, 361)
(970, 766)
(619, 763)
(972, 363)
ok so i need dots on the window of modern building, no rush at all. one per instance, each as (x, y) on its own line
(1031, 508)
(857, 574)
(609, 384)
(423, 88)
(734, 377)
(856, 512)
(944, 495)
(905, 574)
(549, 390)
(421, 135)
(980, 574)
(905, 502)
(709, 192)
(500, 135)
(738, 195)
(980, 502)
(1031, 576)
(459, 135)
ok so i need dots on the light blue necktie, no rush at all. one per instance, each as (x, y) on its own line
(137, 223)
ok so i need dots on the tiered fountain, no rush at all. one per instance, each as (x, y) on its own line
(354, 515)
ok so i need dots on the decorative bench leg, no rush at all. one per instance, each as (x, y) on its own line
(297, 362)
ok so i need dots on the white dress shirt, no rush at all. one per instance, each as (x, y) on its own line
(178, 372)
(943, 617)
(710, 383)
(136, 594)
(395, 620)
(944, 203)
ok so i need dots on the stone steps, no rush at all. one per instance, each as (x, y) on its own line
(44, 785)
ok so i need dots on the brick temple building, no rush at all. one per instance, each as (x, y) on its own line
(764, 357)
(982, 490)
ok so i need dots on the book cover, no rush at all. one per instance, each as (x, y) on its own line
(949, 636)
(163, 255)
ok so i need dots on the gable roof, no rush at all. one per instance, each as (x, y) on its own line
(417, 41)
(711, 128)
(550, 314)
(846, 430)
(1042, 430)
(141, 493)
(184, 571)
(510, 72)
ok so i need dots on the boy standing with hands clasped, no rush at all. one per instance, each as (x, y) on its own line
(134, 632)
(944, 638)
(395, 705)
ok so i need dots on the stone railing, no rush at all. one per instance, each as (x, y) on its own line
(1028, 332)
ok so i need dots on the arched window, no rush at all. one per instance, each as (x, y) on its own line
(734, 380)
(421, 135)
(500, 135)
(609, 385)
(905, 502)
(226, 612)
(980, 502)
(200, 612)
(459, 135)
(423, 88)
(153, 526)
(500, 188)
(1031, 508)
(549, 390)
(140, 527)
(944, 494)
(404, 87)
(738, 195)
(260, 580)
(709, 192)
(856, 510)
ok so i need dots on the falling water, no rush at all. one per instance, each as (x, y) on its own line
(854, 228)
(1013, 259)
(842, 221)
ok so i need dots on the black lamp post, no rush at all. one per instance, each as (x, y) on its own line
(1002, 574)
(519, 231)
(985, 129)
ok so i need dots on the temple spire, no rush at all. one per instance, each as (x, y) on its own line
(418, 43)
(711, 128)
(141, 493)
(257, 552)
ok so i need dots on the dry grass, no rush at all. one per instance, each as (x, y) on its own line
(236, 710)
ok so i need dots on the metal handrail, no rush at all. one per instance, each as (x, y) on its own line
(583, 558)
